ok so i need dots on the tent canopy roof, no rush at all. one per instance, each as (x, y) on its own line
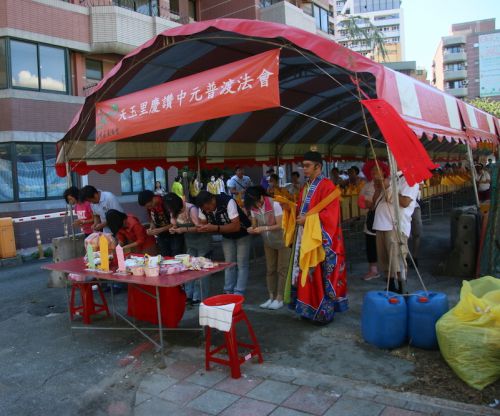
(318, 86)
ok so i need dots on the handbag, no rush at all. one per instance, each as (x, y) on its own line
(370, 217)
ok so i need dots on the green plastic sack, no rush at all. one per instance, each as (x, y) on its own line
(469, 334)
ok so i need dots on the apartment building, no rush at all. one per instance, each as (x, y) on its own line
(386, 15)
(467, 62)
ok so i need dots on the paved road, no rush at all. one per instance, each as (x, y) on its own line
(44, 368)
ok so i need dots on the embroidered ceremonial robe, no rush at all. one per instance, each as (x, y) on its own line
(316, 292)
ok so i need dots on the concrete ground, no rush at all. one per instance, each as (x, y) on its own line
(182, 388)
(47, 369)
(308, 369)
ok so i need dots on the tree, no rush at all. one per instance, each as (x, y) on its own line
(486, 104)
(357, 28)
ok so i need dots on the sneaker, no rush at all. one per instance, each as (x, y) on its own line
(276, 304)
(371, 275)
(196, 302)
(266, 304)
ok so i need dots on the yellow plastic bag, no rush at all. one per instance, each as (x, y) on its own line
(469, 334)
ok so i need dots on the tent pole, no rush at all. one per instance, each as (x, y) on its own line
(397, 224)
(472, 173)
(277, 160)
(329, 164)
(69, 183)
(197, 152)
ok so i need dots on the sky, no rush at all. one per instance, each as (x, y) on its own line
(427, 20)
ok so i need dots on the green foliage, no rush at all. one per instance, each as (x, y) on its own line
(486, 104)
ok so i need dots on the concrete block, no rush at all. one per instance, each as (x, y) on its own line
(65, 248)
(462, 260)
(455, 217)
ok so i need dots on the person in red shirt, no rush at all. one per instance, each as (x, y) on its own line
(130, 233)
(83, 210)
(169, 244)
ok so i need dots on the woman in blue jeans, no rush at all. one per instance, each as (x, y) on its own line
(185, 221)
(220, 214)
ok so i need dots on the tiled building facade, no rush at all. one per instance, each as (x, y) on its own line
(466, 62)
(52, 54)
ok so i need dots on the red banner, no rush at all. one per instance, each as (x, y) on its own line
(247, 85)
(409, 152)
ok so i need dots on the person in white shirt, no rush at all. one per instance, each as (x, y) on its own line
(221, 184)
(100, 202)
(384, 223)
(366, 201)
(267, 221)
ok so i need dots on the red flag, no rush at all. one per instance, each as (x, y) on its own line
(409, 153)
(247, 85)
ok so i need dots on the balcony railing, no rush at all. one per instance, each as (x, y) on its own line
(457, 92)
(454, 57)
(453, 75)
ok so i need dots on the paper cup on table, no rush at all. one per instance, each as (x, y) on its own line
(184, 258)
(154, 261)
(152, 271)
(137, 270)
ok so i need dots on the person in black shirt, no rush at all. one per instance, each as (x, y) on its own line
(220, 214)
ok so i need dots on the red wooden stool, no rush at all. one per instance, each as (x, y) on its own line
(231, 344)
(88, 307)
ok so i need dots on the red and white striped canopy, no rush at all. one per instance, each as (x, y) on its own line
(321, 87)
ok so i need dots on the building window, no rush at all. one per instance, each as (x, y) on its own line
(52, 63)
(3, 64)
(24, 64)
(93, 70)
(456, 84)
(36, 176)
(454, 67)
(147, 7)
(174, 7)
(454, 49)
(54, 185)
(6, 184)
(321, 18)
(133, 182)
(192, 12)
(38, 67)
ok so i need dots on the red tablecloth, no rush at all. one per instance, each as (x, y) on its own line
(143, 307)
